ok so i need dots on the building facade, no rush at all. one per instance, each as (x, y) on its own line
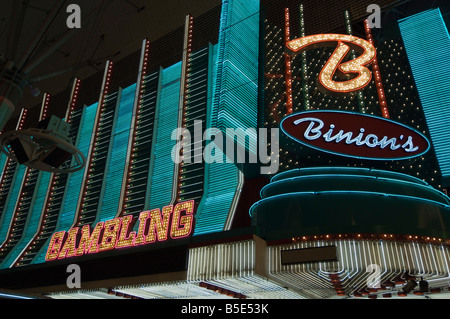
(196, 187)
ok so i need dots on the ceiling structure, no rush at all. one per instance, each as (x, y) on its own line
(35, 32)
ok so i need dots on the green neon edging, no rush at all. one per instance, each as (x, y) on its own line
(419, 186)
(370, 194)
(312, 171)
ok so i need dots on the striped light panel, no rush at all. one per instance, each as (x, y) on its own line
(55, 191)
(216, 205)
(72, 190)
(427, 44)
(237, 76)
(118, 153)
(162, 166)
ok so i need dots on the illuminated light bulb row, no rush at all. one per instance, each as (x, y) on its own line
(141, 88)
(45, 106)
(22, 119)
(304, 69)
(54, 178)
(8, 164)
(74, 98)
(19, 206)
(101, 105)
(287, 60)
(185, 100)
(370, 236)
(376, 71)
(360, 96)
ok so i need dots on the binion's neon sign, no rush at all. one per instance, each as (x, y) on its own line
(354, 135)
(334, 65)
(154, 226)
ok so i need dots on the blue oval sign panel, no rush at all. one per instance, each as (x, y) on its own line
(355, 135)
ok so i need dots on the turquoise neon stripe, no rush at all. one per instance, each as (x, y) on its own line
(11, 203)
(33, 220)
(236, 91)
(234, 104)
(162, 171)
(213, 210)
(67, 214)
(427, 44)
(118, 158)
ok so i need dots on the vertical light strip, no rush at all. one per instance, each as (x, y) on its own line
(109, 198)
(166, 119)
(49, 196)
(29, 212)
(236, 88)
(287, 62)
(235, 84)
(9, 169)
(359, 94)
(87, 173)
(184, 90)
(427, 43)
(20, 214)
(73, 100)
(304, 64)
(377, 75)
(140, 90)
(13, 200)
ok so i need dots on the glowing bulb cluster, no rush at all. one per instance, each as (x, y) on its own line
(334, 63)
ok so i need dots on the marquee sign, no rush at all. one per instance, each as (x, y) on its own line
(154, 226)
(354, 135)
(334, 65)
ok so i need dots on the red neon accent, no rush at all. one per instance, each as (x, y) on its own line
(376, 71)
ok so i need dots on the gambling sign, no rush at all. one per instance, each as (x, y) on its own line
(154, 226)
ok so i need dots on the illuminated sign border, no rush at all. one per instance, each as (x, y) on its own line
(154, 226)
(348, 155)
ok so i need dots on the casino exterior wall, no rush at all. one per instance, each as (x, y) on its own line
(141, 225)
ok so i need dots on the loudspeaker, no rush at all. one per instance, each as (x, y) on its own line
(56, 157)
(22, 151)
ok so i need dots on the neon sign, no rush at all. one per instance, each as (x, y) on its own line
(334, 65)
(354, 135)
(154, 226)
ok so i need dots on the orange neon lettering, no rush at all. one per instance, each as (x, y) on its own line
(68, 249)
(110, 234)
(335, 66)
(184, 221)
(140, 237)
(126, 239)
(161, 226)
(55, 245)
(88, 242)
